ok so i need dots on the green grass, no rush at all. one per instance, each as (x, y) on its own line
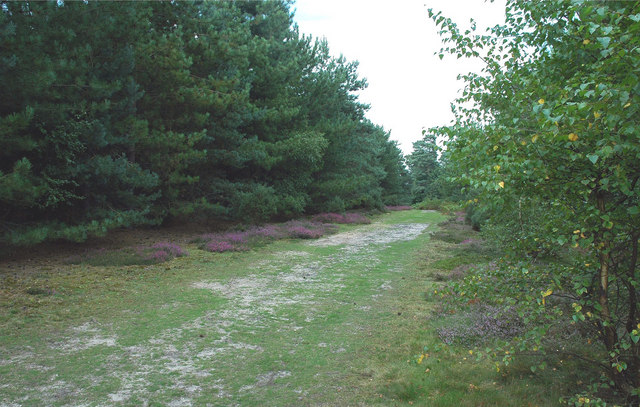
(290, 323)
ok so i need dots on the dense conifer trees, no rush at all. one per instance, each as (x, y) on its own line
(129, 113)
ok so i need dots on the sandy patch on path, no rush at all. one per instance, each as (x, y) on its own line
(381, 234)
(84, 337)
(281, 293)
(290, 278)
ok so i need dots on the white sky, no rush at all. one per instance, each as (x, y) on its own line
(410, 88)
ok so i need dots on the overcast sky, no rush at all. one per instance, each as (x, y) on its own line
(394, 40)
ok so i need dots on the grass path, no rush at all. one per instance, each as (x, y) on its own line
(282, 325)
(330, 322)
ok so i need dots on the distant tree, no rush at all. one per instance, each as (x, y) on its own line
(396, 184)
(425, 168)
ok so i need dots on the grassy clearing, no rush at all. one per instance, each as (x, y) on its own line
(335, 321)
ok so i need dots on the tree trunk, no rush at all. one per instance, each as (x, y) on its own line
(609, 334)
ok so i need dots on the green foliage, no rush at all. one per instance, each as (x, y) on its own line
(546, 136)
(177, 109)
(425, 167)
(431, 171)
(444, 206)
(256, 203)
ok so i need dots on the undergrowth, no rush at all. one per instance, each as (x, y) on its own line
(139, 255)
(467, 330)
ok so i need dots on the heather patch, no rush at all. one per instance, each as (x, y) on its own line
(219, 246)
(302, 232)
(140, 255)
(307, 230)
(257, 236)
(346, 218)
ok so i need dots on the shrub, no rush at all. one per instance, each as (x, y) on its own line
(439, 205)
(452, 233)
(482, 322)
(256, 203)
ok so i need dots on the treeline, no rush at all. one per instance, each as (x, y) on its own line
(116, 114)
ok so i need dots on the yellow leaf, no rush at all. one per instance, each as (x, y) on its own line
(575, 232)
(597, 115)
(497, 168)
(547, 293)
(501, 184)
(524, 143)
(627, 105)
(586, 42)
(534, 138)
(572, 137)
(470, 352)
(541, 101)
(495, 148)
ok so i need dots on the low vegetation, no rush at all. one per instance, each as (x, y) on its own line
(276, 324)
(156, 253)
